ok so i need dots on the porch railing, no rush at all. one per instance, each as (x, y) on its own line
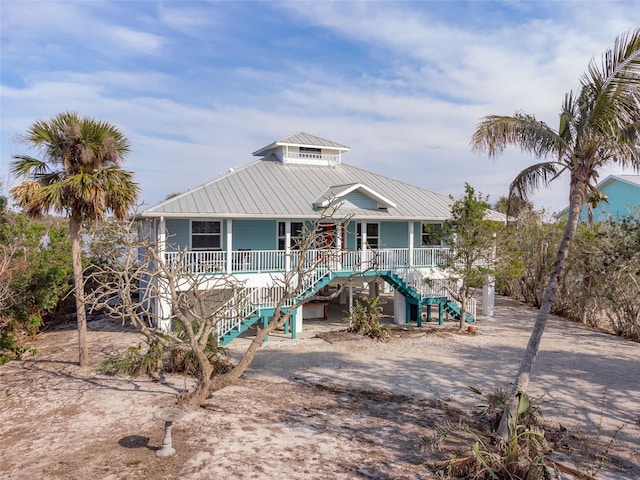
(271, 261)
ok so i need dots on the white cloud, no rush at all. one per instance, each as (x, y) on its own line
(130, 41)
(421, 85)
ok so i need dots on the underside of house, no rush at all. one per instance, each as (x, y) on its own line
(277, 233)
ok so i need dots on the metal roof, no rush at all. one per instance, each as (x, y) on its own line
(271, 189)
(301, 139)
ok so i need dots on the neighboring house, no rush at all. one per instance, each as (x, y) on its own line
(244, 223)
(622, 198)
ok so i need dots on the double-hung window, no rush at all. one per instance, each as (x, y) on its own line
(296, 232)
(206, 235)
(373, 235)
(431, 235)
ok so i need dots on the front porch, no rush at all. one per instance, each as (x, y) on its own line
(208, 262)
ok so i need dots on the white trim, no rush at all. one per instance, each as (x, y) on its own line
(191, 220)
(332, 193)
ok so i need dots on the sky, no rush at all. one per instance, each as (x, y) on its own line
(197, 86)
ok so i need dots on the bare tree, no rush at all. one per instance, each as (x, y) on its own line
(196, 307)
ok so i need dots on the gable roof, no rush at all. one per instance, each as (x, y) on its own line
(271, 189)
(337, 192)
(301, 139)
(630, 179)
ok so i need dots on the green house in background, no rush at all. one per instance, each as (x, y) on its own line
(623, 198)
(245, 222)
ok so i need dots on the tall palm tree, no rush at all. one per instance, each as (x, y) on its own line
(79, 175)
(598, 126)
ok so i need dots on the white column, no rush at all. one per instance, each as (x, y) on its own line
(488, 297)
(399, 308)
(287, 249)
(489, 289)
(363, 244)
(161, 237)
(411, 242)
(229, 245)
(163, 300)
(164, 305)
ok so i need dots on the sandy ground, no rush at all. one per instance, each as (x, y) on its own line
(313, 409)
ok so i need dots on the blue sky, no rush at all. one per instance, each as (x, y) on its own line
(198, 86)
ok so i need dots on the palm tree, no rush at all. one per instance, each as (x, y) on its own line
(79, 175)
(598, 126)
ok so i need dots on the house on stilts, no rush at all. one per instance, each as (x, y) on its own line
(244, 226)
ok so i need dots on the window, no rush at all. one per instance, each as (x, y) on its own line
(372, 235)
(206, 235)
(310, 152)
(296, 232)
(431, 235)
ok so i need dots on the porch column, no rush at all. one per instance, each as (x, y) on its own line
(363, 245)
(163, 298)
(489, 289)
(163, 320)
(161, 237)
(412, 229)
(229, 241)
(287, 246)
(399, 308)
(336, 262)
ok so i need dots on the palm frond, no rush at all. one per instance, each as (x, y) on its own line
(25, 166)
(68, 177)
(495, 133)
(532, 178)
(614, 85)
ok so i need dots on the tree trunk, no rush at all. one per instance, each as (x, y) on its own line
(207, 386)
(78, 285)
(463, 311)
(509, 417)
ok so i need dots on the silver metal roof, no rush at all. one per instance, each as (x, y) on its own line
(301, 139)
(271, 189)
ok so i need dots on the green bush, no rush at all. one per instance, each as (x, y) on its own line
(365, 319)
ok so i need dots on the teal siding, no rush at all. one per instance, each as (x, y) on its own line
(417, 235)
(357, 200)
(623, 200)
(350, 234)
(394, 235)
(177, 233)
(255, 234)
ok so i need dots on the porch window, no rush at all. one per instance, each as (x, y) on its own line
(372, 235)
(431, 235)
(206, 235)
(296, 232)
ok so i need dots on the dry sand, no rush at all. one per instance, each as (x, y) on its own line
(309, 408)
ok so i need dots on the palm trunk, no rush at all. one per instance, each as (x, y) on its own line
(78, 284)
(509, 417)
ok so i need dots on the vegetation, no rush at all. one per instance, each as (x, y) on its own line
(35, 278)
(601, 282)
(598, 126)
(193, 306)
(365, 319)
(524, 456)
(78, 175)
(472, 240)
